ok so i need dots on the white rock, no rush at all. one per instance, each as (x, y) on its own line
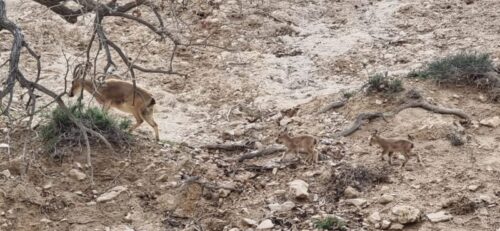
(77, 174)
(4, 145)
(265, 224)
(285, 121)
(385, 224)
(6, 173)
(405, 214)
(111, 194)
(374, 218)
(48, 185)
(299, 189)
(491, 122)
(473, 187)
(396, 226)
(359, 202)
(439, 216)
(386, 199)
(287, 206)
(249, 222)
(486, 198)
(234, 229)
(351, 192)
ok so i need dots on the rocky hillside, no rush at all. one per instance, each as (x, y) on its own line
(281, 64)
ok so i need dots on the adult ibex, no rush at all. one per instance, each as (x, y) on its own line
(118, 94)
(389, 146)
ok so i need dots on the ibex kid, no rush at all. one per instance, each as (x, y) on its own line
(389, 146)
(299, 144)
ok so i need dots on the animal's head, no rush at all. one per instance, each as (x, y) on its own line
(78, 76)
(372, 137)
(282, 136)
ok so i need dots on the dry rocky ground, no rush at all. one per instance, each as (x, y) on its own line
(289, 54)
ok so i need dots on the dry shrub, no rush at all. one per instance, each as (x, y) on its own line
(460, 206)
(59, 131)
(359, 177)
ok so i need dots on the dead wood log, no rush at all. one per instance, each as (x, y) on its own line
(433, 108)
(359, 121)
(333, 105)
(229, 147)
(259, 153)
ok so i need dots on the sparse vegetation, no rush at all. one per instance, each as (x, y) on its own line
(60, 131)
(383, 83)
(330, 223)
(359, 177)
(463, 68)
(455, 139)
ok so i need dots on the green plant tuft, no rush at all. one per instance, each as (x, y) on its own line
(382, 83)
(59, 131)
(330, 223)
(464, 68)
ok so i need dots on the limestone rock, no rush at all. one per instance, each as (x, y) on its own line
(265, 224)
(374, 218)
(299, 188)
(491, 122)
(351, 192)
(386, 199)
(439, 216)
(385, 224)
(405, 214)
(359, 202)
(111, 194)
(396, 226)
(249, 222)
(77, 174)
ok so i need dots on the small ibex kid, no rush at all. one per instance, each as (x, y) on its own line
(299, 144)
(389, 146)
(118, 94)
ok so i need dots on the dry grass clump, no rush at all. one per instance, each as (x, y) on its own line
(59, 131)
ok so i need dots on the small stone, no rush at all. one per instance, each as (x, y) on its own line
(483, 212)
(249, 222)
(405, 214)
(439, 216)
(299, 189)
(48, 185)
(111, 194)
(6, 173)
(386, 199)
(4, 145)
(396, 226)
(287, 206)
(162, 178)
(45, 220)
(351, 192)
(385, 224)
(77, 174)
(234, 229)
(280, 192)
(482, 98)
(473, 188)
(378, 102)
(486, 198)
(265, 224)
(359, 202)
(374, 218)
(491, 122)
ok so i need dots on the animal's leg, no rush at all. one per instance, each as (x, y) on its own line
(315, 156)
(138, 119)
(390, 157)
(406, 159)
(382, 156)
(148, 116)
(283, 156)
(420, 160)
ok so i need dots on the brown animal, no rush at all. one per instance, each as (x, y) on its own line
(299, 144)
(118, 94)
(389, 146)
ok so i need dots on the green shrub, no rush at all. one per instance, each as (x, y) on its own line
(382, 83)
(463, 68)
(330, 223)
(59, 131)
